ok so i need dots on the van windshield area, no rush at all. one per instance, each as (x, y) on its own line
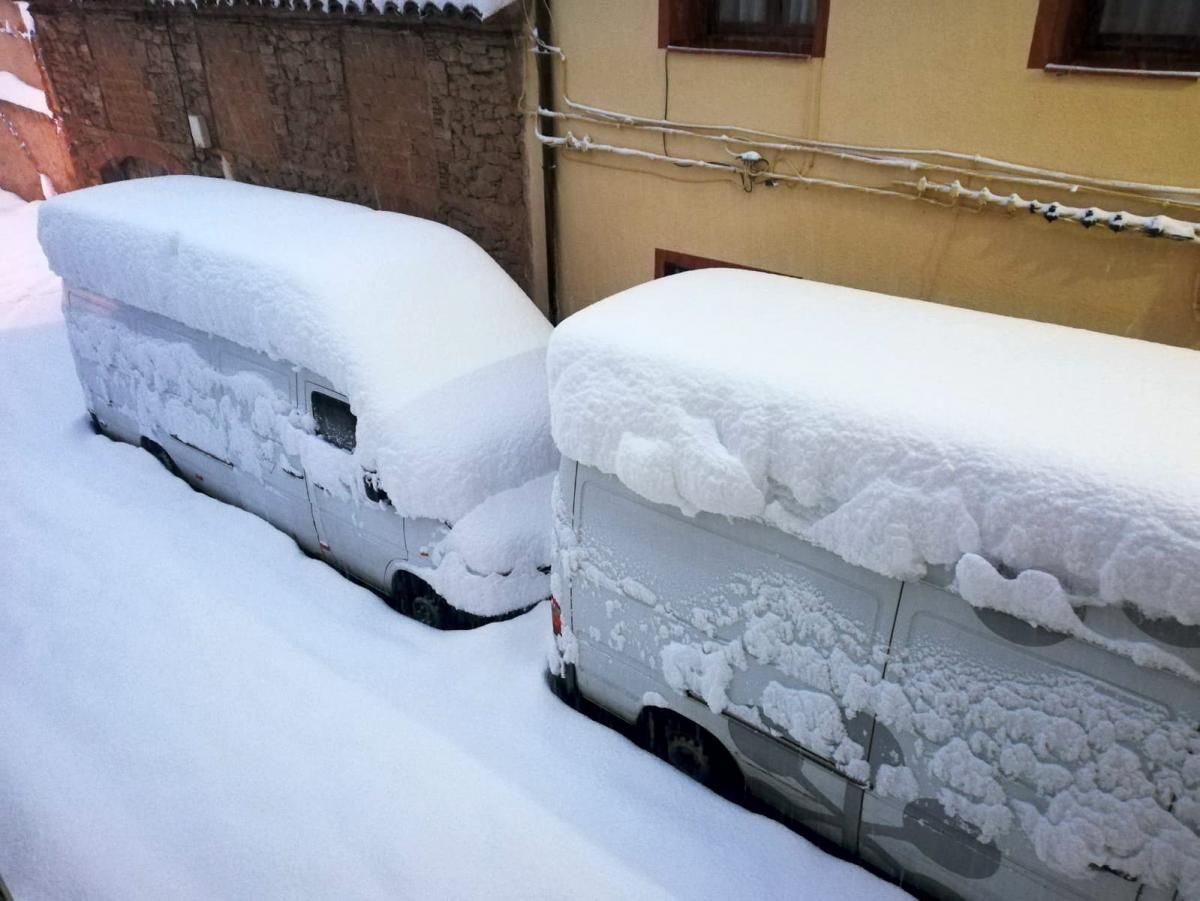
(335, 423)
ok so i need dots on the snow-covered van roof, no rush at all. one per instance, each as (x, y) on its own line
(900, 435)
(436, 347)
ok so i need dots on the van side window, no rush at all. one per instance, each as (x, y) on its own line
(335, 423)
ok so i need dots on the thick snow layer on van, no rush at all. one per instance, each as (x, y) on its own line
(496, 558)
(896, 433)
(433, 343)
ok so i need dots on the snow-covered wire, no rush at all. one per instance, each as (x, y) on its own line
(752, 169)
(1154, 226)
(889, 156)
(748, 169)
(867, 151)
(885, 162)
(750, 172)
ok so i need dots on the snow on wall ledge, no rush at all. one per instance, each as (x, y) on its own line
(898, 434)
(14, 90)
(483, 9)
(424, 332)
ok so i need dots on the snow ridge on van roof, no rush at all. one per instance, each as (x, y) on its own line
(392, 309)
(900, 435)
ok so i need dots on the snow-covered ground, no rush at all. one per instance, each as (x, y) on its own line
(191, 708)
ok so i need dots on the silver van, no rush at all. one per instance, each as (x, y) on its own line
(381, 398)
(961, 751)
(636, 579)
(223, 402)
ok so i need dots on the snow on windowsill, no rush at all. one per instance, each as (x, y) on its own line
(1063, 69)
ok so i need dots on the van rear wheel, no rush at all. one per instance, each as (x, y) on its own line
(695, 753)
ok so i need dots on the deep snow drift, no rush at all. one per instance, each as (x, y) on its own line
(899, 434)
(195, 710)
(28, 289)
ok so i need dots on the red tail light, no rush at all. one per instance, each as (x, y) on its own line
(555, 616)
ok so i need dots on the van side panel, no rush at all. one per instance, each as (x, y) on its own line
(106, 397)
(278, 493)
(716, 616)
(1044, 713)
(216, 408)
(963, 752)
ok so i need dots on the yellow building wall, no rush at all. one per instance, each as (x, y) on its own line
(938, 74)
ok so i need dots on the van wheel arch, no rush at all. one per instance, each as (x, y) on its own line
(157, 451)
(415, 598)
(691, 749)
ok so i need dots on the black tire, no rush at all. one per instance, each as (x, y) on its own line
(415, 599)
(156, 451)
(695, 753)
(429, 608)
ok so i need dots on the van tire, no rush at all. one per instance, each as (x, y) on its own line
(156, 451)
(415, 599)
(428, 607)
(693, 751)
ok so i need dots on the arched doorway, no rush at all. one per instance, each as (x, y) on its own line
(130, 167)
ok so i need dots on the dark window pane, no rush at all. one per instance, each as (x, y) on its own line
(335, 423)
(800, 12)
(756, 26)
(742, 12)
(1149, 17)
(1139, 34)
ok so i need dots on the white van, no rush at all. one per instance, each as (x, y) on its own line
(923, 580)
(370, 383)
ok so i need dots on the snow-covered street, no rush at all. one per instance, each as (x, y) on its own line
(192, 708)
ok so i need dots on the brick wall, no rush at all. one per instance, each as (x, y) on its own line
(31, 145)
(416, 115)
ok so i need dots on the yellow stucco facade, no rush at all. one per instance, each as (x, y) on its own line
(938, 74)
